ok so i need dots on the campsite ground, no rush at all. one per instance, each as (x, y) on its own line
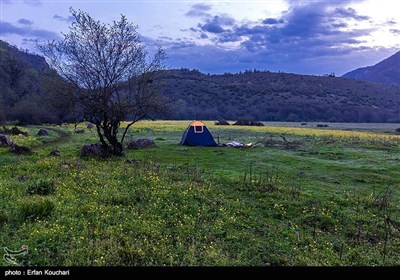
(301, 196)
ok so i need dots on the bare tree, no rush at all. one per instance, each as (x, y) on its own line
(112, 77)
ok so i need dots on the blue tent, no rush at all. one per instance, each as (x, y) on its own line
(197, 134)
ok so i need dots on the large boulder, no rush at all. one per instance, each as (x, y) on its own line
(43, 132)
(97, 150)
(140, 143)
(5, 141)
(20, 150)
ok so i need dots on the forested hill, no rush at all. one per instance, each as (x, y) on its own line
(264, 95)
(259, 95)
(21, 86)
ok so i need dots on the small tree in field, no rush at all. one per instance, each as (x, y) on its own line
(110, 75)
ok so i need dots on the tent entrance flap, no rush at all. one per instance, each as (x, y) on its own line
(198, 129)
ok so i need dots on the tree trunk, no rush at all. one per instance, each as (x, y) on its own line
(117, 148)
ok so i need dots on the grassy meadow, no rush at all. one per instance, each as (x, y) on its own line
(301, 196)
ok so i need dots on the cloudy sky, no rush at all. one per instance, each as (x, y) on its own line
(307, 36)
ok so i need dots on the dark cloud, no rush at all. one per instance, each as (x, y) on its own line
(339, 25)
(314, 28)
(395, 31)
(25, 21)
(216, 24)
(66, 19)
(310, 37)
(199, 10)
(349, 13)
(9, 29)
(271, 21)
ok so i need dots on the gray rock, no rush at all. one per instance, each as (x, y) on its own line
(141, 143)
(54, 153)
(20, 150)
(5, 141)
(43, 132)
(95, 150)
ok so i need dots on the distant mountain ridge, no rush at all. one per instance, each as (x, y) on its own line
(269, 96)
(387, 71)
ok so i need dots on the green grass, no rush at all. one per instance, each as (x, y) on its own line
(322, 198)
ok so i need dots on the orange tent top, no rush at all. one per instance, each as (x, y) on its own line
(197, 123)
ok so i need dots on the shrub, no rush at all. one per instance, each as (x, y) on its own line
(41, 187)
(222, 122)
(36, 207)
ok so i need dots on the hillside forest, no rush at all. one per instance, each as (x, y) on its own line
(31, 94)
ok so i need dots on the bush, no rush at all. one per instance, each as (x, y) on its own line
(248, 122)
(36, 207)
(41, 187)
(222, 122)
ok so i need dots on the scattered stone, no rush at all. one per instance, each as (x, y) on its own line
(22, 178)
(397, 129)
(304, 123)
(64, 166)
(322, 125)
(20, 150)
(54, 153)
(79, 131)
(141, 143)
(95, 150)
(221, 122)
(90, 126)
(43, 132)
(5, 141)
